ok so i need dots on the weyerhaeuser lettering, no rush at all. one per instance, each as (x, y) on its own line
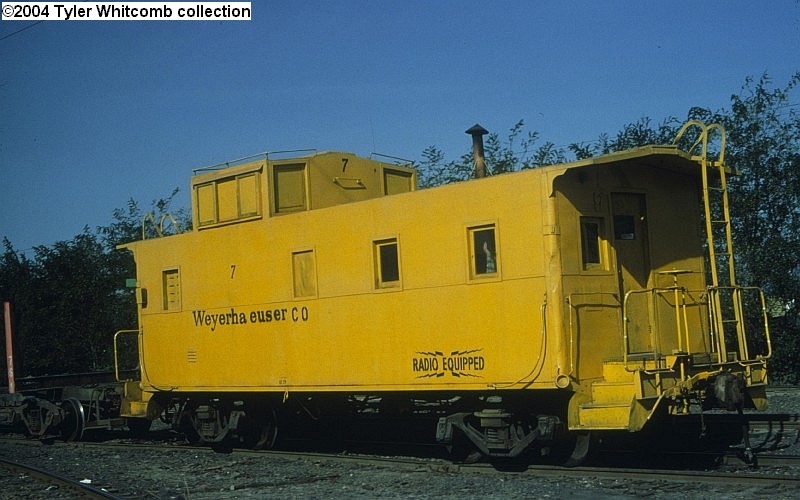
(212, 320)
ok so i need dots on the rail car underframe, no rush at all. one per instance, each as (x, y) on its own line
(509, 423)
(64, 411)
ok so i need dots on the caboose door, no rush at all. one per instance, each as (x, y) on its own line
(630, 242)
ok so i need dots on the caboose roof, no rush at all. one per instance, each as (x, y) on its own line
(667, 157)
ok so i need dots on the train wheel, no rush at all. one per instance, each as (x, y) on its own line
(462, 450)
(184, 422)
(578, 449)
(74, 420)
(264, 433)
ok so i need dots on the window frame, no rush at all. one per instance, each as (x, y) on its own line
(378, 260)
(212, 198)
(274, 188)
(602, 264)
(392, 174)
(473, 274)
(300, 251)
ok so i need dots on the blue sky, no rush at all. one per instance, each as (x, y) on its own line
(95, 113)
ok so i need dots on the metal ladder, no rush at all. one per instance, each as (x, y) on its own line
(725, 300)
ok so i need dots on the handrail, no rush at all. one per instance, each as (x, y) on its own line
(682, 326)
(703, 138)
(402, 162)
(265, 154)
(737, 290)
(172, 220)
(159, 227)
(680, 311)
(685, 127)
(116, 356)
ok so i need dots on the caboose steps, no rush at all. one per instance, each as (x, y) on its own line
(630, 390)
(615, 371)
(604, 415)
(614, 396)
(613, 392)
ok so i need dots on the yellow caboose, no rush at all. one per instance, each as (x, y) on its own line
(567, 297)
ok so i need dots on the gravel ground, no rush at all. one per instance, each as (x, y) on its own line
(193, 474)
(784, 400)
(206, 475)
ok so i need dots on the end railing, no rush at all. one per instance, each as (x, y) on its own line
(116, 351)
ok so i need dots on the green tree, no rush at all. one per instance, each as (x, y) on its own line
(763, 128)
(517, 151)
(76, 294)
(433, 170)
(632, 135)
(132, 223)
(16, 276)
(69, 298)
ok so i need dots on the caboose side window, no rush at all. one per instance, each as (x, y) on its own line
(387, 263)
(304, 271)
(248, 195)
(395, 181)
(228, 199)
(227, 204)
(483, 251)
(206, 204)
(289, 184)
(624, 227)
(171, 285)
(592, 243)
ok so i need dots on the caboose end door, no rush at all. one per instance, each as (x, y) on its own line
(631, 246)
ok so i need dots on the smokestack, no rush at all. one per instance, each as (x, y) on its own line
(477, 132)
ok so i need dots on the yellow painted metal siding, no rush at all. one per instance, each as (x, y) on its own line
(672, 241)
(244, 326)
(297, 301)
(239, 193)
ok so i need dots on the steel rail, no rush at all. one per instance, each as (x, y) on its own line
(79, 489)
(737, 478)
(740, 476)
(764, 459)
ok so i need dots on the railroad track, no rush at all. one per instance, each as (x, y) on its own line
(335, 468)
(731, 458)
(730, 478)
(774, 422)
(74, 488)
(763, 459)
